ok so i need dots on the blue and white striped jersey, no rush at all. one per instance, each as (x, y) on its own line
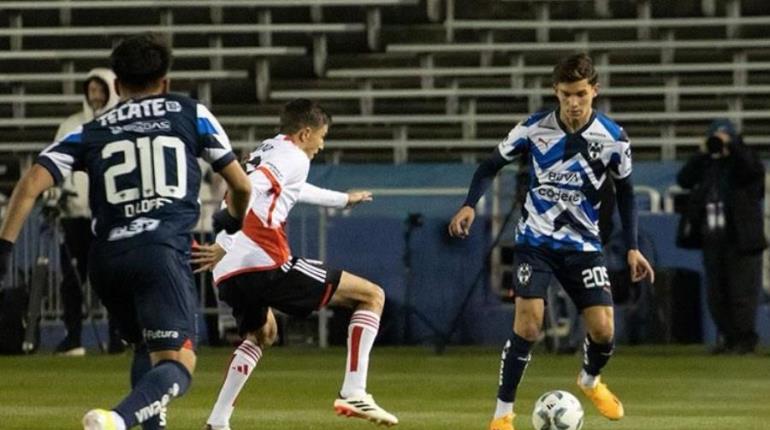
(567, 169)
(141, 160)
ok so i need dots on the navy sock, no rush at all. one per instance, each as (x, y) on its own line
(139, 367)
(167, 380)
(512, 366)
(596, 355)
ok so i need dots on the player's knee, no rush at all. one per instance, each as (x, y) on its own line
(602, 333)
(529, 332)
(268, 335)
(375, 296)
(265, 336)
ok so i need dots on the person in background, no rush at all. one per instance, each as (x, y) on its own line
(727, 183)
(99, 96)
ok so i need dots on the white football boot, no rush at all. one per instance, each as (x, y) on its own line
(366, 408)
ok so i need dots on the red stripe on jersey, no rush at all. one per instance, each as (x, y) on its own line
(272, 240)
(276, 189)
(355, 342)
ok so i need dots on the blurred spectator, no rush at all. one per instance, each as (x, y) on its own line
(99, 96)
(727, 186)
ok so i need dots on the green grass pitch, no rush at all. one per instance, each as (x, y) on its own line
(663, 388)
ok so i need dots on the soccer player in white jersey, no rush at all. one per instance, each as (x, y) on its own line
(571, 149)
(257, 271)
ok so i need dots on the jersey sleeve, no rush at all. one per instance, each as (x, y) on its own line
(313, 195)
(63, 156)
(515, 143)
(215, 145)
(620, 163)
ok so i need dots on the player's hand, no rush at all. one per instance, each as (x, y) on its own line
(206, 256)
(356, 197)
(460, 225)
(640, 267)
(6, 249)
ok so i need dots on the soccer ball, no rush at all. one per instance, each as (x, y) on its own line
(557, 410)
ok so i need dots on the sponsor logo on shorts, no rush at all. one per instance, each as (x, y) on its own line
(160, 334)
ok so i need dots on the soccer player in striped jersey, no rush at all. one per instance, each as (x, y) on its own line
(142, 162)
(572, 149)
(254, 270)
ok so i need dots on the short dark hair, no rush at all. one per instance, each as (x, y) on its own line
(575, 68)
(301, 113)
(139, 61)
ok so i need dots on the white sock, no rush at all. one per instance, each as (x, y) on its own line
(503, 408)
(245, 359)
(361, 333)
(119, 423)
(587, 380)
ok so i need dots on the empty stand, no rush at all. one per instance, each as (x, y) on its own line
(403, 77)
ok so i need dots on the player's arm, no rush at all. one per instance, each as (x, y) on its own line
(217, 151)
(460, 224)
(515, 144)
(318, 196)
(238, 189)
(36, 180)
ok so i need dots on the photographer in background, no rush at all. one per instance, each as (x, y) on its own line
(72, 204)
(727, 186)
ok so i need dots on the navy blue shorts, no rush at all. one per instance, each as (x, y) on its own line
(582, 274)
(150, 294)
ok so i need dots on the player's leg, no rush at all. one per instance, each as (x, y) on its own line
(515, 358)
(159, 281)
(597, 350)
(367, 301)
(584, 277)
(245, 358)
(140, 365)
(530, 283)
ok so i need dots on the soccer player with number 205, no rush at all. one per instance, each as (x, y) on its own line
(571, 149)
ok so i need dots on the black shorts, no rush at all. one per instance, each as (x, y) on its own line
(582, 274)
(150, 293)
(297, 288)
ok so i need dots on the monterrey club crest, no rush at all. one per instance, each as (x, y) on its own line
(524, 273)
(595, 150)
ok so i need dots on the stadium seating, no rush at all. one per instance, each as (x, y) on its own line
(403, 75)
